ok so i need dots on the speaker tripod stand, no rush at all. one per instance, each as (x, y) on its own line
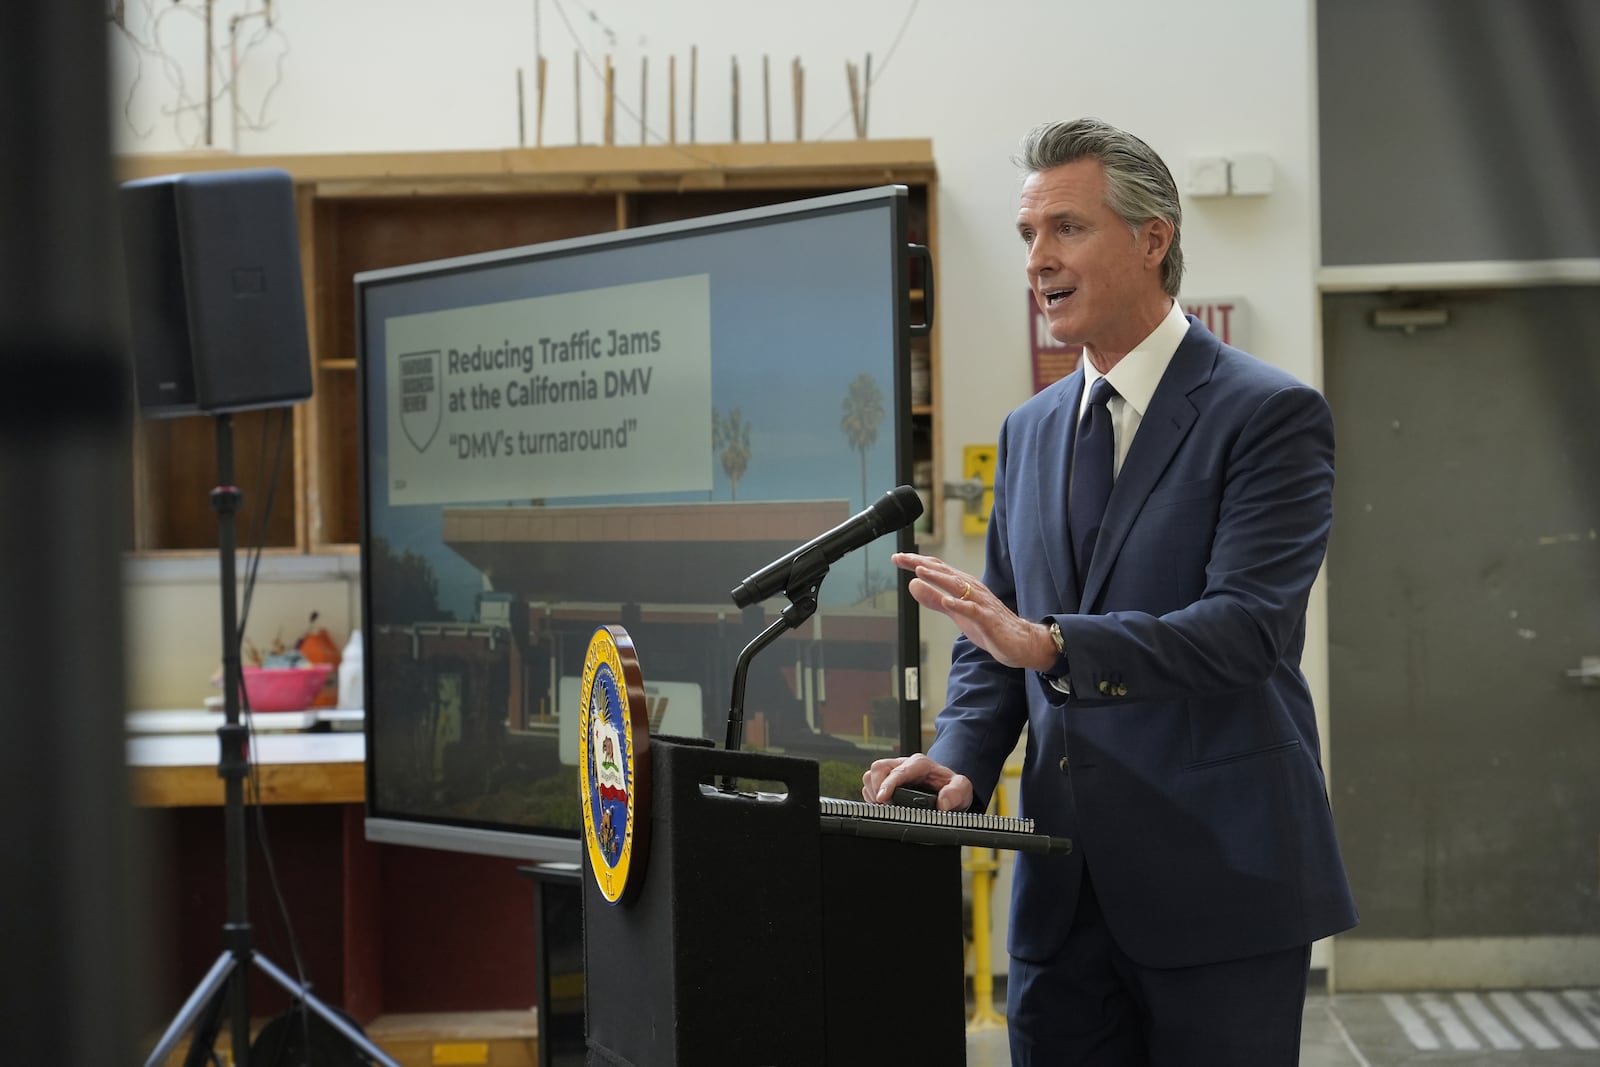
(226, 984)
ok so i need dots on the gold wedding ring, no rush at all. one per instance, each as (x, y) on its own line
(966, 590)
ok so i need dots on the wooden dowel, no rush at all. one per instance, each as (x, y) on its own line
(577, 99)
(735, 61)
(522, 129)
(866, 93)
(644, 93)
(538, 120)
(611, 98)
(855, 95)
(798, 78)
(672, 99)
(766, 101)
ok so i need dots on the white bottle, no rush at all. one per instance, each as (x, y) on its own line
(351, 692)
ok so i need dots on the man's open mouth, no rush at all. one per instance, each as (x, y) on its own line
(1055, 296)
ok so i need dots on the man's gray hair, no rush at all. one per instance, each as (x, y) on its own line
(1139, 187)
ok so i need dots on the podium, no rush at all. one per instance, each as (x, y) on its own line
(755, 939)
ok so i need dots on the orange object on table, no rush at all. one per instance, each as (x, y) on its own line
(318, 647)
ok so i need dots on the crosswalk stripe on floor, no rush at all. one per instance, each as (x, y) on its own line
(1487, 1023)
(1505, 1020)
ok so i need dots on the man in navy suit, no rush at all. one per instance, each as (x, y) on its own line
(1159, 518)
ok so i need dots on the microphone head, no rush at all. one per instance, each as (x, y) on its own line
(894, 510)
(899, 507)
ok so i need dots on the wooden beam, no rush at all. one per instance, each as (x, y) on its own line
(501, 170)
(281, 783)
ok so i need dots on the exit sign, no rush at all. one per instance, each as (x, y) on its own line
(1224, 316)
(1227, 317)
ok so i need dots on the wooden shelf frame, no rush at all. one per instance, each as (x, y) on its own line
(360, 211)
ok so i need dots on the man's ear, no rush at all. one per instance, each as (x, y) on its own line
(1155, 237)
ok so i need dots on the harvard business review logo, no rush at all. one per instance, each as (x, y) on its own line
(420, 408)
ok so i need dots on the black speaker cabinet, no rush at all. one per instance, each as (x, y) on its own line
(216, 306)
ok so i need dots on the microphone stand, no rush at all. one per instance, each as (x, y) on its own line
(805, 578)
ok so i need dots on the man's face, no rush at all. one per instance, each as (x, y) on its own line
(1094, 280)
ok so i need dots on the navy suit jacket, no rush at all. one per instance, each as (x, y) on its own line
(1185, 766)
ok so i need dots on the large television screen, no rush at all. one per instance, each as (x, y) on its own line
(617, 430)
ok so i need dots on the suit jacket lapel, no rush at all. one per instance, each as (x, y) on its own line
(1161, 431)
(1051, 490)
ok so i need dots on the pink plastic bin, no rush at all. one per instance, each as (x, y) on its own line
(283, 688)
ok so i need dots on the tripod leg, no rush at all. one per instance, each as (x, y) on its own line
(203, 1038)
(207, 994)
(327, 1014)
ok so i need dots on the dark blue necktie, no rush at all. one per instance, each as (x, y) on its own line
(1091, 476)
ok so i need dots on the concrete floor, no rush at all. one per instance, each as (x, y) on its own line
(1559, 1028)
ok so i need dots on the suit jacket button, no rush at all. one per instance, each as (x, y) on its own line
(1063, 765)
(1105, 688)
(1122, 690)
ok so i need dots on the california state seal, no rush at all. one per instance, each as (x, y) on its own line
(614, 764)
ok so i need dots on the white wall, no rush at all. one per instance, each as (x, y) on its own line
(173, 618)
(1189, 76)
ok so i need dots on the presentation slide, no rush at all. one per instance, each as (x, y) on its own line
(600, 390)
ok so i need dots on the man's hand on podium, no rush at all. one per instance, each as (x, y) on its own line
(886, 775)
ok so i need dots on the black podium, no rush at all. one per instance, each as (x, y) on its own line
(758, 940)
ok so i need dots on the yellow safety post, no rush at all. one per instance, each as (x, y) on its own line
(984, 866)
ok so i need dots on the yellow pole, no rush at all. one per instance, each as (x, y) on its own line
(984, 865)
(984, 1017)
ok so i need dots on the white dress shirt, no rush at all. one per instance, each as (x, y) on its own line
(1135, 378)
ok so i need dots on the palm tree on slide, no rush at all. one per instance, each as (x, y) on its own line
(863, 414)
(730, 439)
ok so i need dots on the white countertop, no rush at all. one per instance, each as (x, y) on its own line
(189, 738)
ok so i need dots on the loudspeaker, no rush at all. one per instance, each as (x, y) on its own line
(215, 303)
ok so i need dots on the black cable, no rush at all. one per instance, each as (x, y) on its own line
(912, 10)
(259, 540)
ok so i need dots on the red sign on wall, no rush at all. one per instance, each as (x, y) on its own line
(1052, 360)
(1224, 316)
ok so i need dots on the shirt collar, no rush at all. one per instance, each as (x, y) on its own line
(1137, 374)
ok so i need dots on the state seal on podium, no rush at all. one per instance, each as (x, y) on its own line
(614, 764)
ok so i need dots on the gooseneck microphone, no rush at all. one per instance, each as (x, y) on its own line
(896, 509)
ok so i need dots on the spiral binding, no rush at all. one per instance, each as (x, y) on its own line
(860, 809)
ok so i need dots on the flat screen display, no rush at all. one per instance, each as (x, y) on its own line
(616, 430)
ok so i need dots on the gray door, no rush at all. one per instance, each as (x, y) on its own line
(1464, 595)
